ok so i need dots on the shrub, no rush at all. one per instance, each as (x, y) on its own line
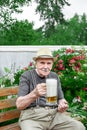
(71, 67)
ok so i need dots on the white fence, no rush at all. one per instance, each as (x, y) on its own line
(14, 57)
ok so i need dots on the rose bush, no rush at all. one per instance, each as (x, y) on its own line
(71, 66)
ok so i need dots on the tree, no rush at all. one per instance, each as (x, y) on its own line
(7, 7)
(73, 32)
(20, 33)
(50, 11)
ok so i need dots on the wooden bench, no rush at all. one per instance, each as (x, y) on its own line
(8, 112)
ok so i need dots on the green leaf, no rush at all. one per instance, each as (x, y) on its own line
(7, 70)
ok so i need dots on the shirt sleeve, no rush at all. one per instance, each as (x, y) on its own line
(24, 84)
(60, 91)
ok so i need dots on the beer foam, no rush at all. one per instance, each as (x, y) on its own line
(51, 85)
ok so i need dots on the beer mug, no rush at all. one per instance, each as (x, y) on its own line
(51, 95)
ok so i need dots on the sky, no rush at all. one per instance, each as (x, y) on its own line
(77, 6)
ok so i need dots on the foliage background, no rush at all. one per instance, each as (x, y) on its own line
(22, 33)
(55, 31)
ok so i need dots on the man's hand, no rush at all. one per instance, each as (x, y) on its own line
(63, 105)
(40, 89)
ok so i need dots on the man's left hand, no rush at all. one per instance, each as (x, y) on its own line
(63, 105)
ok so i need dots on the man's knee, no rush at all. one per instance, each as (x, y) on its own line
(79, 126)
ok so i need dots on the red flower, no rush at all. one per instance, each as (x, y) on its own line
(81, 57)
(78, 98)
(56, 65)
(77, 68)
(69, 50)
(59, 73)
(54, 69)
(25, 68)
(61, 67)
(85, 89)
(60, 61)
(30, 64)
(72, 61)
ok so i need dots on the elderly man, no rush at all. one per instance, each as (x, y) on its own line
(36, 114)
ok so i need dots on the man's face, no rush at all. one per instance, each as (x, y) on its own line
(44, 66)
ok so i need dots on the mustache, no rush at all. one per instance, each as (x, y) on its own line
(45, 69)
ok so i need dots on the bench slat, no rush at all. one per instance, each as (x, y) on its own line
(8, 91)
(9, 115)
(10, 127)
(7, 103)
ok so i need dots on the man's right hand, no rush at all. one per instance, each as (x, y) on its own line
(40, 89)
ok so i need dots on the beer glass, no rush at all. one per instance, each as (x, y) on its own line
(51, 95)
